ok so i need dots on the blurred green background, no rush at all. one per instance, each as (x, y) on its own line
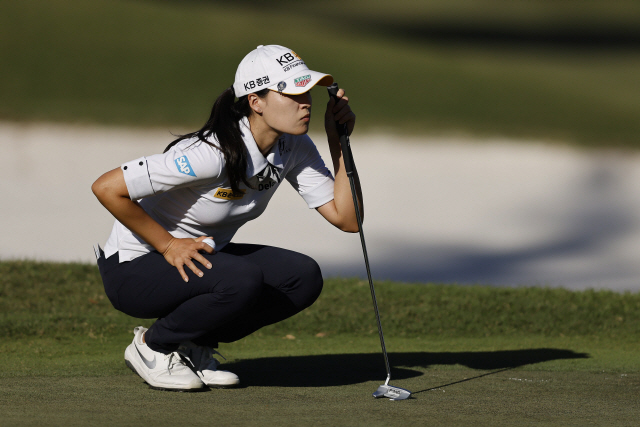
(552, 70)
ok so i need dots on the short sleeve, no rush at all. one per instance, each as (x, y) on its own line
(188, 163)
(309, 176)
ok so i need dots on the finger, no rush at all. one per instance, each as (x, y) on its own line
(333, 100)
(204, 247)
(331, 103)
(202, 260)
(338, 95)
(182, 273)
(193, 268)
(340, 105)
(341, 112)
(346, 112)
(347, 118)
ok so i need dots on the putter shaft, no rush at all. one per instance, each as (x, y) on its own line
(394, 393)
(366, 262)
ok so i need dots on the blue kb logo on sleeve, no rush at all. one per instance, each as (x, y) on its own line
(184, 166)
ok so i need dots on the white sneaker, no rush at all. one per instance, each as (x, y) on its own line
(160, 371)
(207, 367)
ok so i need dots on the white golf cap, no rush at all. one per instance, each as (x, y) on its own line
(277, 68)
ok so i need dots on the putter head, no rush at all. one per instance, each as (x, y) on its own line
(393, 393)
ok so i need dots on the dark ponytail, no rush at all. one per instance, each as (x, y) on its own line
(224, 123)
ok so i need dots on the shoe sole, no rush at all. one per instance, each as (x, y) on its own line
(135, 371)
(230, 385)
(223, 385)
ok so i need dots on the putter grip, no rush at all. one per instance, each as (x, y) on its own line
(342, 132)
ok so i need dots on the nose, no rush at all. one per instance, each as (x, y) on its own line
(304, 99)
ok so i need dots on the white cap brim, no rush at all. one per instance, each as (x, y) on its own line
(302, 82)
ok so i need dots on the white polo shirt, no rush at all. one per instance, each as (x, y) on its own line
(186, 189)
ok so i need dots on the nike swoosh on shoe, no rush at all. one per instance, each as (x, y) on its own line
(150, 364)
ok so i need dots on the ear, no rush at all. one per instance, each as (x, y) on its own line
(255, 103)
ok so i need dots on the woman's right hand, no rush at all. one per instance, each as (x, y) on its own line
(111, 190)
(181, 252)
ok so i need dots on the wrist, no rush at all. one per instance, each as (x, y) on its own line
(167, 245)
(333, 140)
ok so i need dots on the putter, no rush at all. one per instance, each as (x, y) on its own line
(385, 390)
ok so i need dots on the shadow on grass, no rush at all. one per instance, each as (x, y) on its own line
(343, 369)
(460, 381)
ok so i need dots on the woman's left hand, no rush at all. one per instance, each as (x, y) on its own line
(340, 112)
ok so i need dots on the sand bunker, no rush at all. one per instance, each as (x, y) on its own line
(437, 209)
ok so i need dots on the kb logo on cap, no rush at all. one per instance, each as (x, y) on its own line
(288, 61)
(287, 58)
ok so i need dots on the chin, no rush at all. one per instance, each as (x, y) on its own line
(299, 131)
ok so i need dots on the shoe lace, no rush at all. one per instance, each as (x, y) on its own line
(174, 359)
(213, 351)
(208, 353)
(205, 355)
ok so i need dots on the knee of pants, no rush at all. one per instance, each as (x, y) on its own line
(311, 282)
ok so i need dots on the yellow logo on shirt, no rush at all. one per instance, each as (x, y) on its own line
(227, 194)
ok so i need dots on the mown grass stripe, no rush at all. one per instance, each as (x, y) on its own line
(62, 300)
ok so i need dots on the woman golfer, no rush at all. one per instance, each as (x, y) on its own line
(169, 255)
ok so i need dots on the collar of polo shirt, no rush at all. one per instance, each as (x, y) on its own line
(257, 162)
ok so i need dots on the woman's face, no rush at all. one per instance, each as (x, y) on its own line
(287, 113)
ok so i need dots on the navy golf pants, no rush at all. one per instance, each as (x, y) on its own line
(248, 287)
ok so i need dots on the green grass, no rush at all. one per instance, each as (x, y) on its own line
(151, 63)
(470, 354)
(64, 299)
(311, 381)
